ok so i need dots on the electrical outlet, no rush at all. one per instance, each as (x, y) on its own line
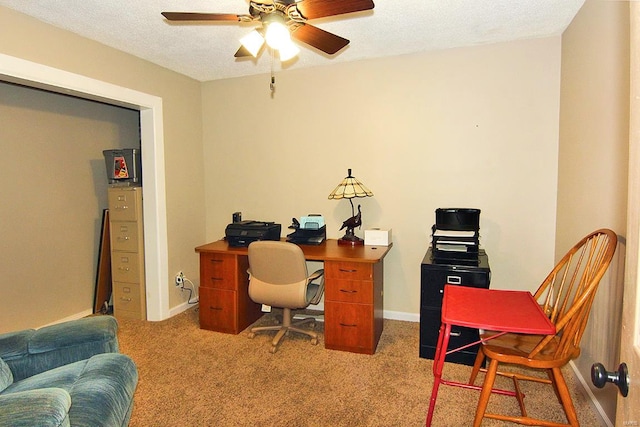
(180, 279)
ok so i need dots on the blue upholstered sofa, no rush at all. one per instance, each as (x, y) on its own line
(69, 374)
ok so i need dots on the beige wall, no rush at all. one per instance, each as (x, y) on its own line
(55, 190)
(26, 38)
(472, 127)
(592, 184)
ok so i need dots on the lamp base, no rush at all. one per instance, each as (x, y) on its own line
(350, 240)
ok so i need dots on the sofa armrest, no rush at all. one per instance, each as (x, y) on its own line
(30, 352)
(47, 407)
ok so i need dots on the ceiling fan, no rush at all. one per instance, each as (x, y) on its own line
(282, 19)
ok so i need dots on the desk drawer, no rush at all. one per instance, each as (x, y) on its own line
(218, 271)
(218, 310)
(348, 270)
(349, 327)
(351, 291)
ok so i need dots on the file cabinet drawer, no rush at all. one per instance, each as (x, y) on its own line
(124, 236)
(127, 297)
(125, 267)
(434, 280)
(430, 321)
(123, 205)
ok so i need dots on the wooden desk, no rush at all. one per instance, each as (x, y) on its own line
(353, 296)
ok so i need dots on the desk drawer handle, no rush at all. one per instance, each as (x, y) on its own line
(349, 326)
(455, 333)
(348, 291)
(454, 280)
(344, 270)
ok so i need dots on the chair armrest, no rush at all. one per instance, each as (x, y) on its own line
(318, 274)
(43, 407)
(30, 352)
(315, 275)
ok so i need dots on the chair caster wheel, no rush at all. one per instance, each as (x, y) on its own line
(273, 349)
(251, 335)
(314, 341)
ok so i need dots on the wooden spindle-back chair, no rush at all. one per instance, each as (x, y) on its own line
(566, 296)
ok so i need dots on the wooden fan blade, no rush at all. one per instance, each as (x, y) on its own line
(320, 39)
(194, 16)
(312, 9)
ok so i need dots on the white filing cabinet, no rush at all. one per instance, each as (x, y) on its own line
(127, 252)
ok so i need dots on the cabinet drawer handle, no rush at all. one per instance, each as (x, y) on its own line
(455, 333)
(353, 325)
(344, 270)
(118, 207)
(125, 299)
(348, 291)
(215, 308)
(215, 260)
(216, 279)
(125, 238)
(123, 268)
(454, 280)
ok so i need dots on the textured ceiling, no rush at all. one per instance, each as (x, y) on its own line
(205, 51)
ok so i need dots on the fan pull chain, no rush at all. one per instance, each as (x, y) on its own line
(272, 85)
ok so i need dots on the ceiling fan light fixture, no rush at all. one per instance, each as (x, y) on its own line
(277, 34)
(288, 51)
(252, 42)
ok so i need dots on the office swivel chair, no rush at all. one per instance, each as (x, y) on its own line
(278, 277)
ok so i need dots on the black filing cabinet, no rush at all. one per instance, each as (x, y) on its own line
(434, 275)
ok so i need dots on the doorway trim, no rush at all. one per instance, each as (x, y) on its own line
(27, 73)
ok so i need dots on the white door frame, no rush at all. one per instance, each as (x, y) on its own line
(628, 410)
(20, 71)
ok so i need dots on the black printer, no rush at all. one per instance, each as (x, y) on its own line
(244, 232)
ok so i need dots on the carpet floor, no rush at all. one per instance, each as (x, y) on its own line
(194, 377)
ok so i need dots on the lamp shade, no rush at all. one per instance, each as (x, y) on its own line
(252, 42)
(288, 51)
(277, 34)
(349, 188)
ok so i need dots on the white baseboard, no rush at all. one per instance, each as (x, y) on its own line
(76, 316)
(400, 315)
(604, 419)
(180, 308)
